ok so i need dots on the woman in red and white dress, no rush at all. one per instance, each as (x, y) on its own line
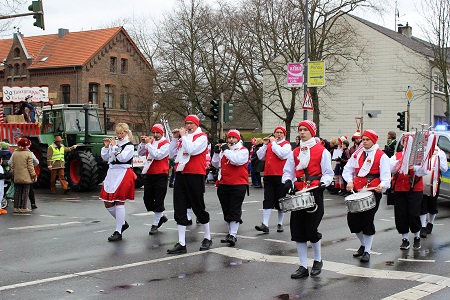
(118, 186)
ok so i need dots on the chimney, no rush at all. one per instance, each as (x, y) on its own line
(62, 32)
(405, 30)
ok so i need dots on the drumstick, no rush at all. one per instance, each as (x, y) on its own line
(308, 189)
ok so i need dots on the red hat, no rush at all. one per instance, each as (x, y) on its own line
(281, 128)
(23, 143)
(371, 135)
(310, 125)
(159, 128)
(193, 118)
(357, 134)
(234, 133)
(342, 139)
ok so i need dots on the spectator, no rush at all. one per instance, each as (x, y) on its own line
(257, 166)
(356, 139)
(389, 149)
(56, 165)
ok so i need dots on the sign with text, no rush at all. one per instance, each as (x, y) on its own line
(25, 94)
(316, 73)
(294, 75)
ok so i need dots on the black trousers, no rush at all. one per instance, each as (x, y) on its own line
(364, 221)
(155, 189)
(407, 211)
(188, 190)
(231, 198)
(429, 203)
(273, 191)
(304, 224)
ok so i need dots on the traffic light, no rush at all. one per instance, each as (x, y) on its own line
(37, 8)
(401, 120)
(215, 109)
(227, 112)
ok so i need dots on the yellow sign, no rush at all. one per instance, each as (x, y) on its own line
(409, 93)
(316, 73)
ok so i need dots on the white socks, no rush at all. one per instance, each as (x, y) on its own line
(431, 218)
(266, 216)
(317, 251)
(423, 220)
(112, 211)
(302, 251)
(158, 216)
(280, 217)
(120, 217)
(368, 240)
(417, 234)
(360, 236)
(233, 228)
(405, 235)
(207, 234)
(182, 235)
(189, 213)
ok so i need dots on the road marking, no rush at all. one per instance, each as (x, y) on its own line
(417, 260)
(386, 220)
(278, 241)
(249, 202)
(371, 252)
(44, 226)
(98, 231)
(149, 213)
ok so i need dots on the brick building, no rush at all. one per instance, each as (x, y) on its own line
(102, 66)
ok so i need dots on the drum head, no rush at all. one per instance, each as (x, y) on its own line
(357, 196)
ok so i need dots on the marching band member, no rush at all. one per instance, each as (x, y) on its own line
(308, 166)
(429, 203)
(190, 146)
(156, 170)
(118, 186)
(232, 159)
(368, 167)
(274, 152)
(408, 188)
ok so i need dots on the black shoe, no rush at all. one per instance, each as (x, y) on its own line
(125, 226)
(230, 239)
(335, 192)
(206, 244)
(197, 222)
(189, 222)
(262, 228)
(429, 228)
(416, 244)
(171, 185)
(162, 221)
(116, 236)
(153, 230)
(280, 228)
(300, 273)
(365, 257)
(257, 186)
(316, 268)
(225, 240)
(423, 232)
(66, 191)
(341, 193)
(33, 206)
(177, 249)
(404, 245)
(360, 251)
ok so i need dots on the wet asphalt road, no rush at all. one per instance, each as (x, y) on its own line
(60, 251)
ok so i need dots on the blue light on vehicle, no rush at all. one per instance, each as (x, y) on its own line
(440, 127)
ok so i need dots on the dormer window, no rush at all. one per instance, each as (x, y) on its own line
(16, 52)
(44, 58)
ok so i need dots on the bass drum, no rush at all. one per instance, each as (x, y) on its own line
(431, 180)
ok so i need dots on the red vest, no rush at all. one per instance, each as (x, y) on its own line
(274, 165)
(160, 166)
(232, 174)
(402, 182)
(313, 168)
(197, 163)
(360, 182)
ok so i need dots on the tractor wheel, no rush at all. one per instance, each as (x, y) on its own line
(81, 171)
(42, 172)
(139, 182)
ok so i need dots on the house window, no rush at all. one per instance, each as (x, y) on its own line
(439, 84)
(65, 93)
(109, 96)
(124, 100)
(16, 52)
(16, 70)
(24, 69)
(113, 64)
(123, 65)
(93, 93)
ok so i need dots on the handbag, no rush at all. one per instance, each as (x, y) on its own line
(10, 192)
(390, 199)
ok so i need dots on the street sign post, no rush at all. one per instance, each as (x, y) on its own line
(316, 73)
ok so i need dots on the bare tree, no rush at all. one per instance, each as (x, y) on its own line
(9, 7)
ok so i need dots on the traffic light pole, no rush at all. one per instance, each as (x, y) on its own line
(221, 115)
(18, 15)
(407, 115)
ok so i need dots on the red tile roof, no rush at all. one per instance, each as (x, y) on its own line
(73, 49)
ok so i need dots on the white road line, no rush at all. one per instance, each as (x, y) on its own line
(371, 252)
(278, 241)
(417, 292)
(99, 231)
(249, 202)
(44, 226)
(417, 260)
(149, 213)
(386, 220)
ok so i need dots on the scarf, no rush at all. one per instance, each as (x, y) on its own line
(368, 162)
(182, 157)
(148, 162)
(304, 154)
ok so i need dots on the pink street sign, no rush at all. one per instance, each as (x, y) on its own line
(294, 75)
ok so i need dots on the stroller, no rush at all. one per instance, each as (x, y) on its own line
(8, 187)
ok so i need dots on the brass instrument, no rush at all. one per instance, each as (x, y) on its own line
(168, 131)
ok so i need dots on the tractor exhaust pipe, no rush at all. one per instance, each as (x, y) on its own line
(105, 121)
(86, 108)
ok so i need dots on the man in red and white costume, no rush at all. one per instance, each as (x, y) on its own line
(407, 183)
(429, 202)
(367, 167)
(308, 165)
(118, 186)
(232, 159)
(156, 170)
(274, 152)
(190, 145)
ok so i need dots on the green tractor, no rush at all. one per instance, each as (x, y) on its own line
(77, 124)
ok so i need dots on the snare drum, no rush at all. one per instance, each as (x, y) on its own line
(297, 202)
(360, 202)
